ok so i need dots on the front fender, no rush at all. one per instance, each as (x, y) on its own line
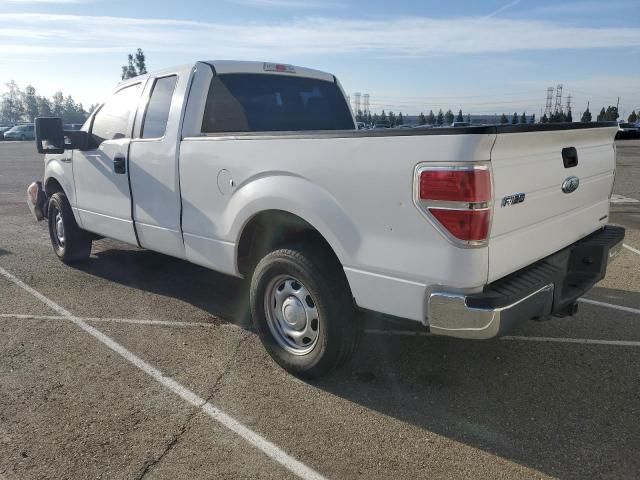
(300, 197)
(55, 169)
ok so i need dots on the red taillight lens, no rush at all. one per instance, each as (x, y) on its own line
(467, 225)
(471, 186)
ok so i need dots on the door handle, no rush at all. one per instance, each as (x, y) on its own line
(119, 164)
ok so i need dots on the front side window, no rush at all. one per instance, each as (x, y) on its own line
(112, 121)
(155, 120)
(267, 103)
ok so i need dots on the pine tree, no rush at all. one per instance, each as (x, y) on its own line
(523, 118)
(633, 117)
(448, 117)
(30, 103)
(602, 116)
(136, 65)
(532, 120)
(392, 119)
(504, 119)
(422, 120)
(460, 118)
(468, 117)
(140, 62)
(515, 118)
(400, 119)
(383, 116)
(569, 117)
(11, 106)
(431, 118)
(44, 106)
(586, 116)
(57, 104)
(440, 118)
(544, 119)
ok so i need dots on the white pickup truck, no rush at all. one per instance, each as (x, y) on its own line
(257, 170)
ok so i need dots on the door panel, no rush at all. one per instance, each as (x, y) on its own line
(154, 167)
(101, 173)
(103, 197)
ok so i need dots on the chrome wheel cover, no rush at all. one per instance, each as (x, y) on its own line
(292, 315)
(58, 230)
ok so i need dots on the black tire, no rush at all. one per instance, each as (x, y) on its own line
(75, 245)
(338, 324)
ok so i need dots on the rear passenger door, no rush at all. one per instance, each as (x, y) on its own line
(153, 165)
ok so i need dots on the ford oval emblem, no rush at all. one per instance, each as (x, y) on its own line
(570, 184)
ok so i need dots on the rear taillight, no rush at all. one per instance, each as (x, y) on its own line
(458, 200)
(456, 185)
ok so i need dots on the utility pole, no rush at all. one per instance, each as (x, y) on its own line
(366, 104)
(547, 108)
(569, 103)
(558, 108)
(356, 97)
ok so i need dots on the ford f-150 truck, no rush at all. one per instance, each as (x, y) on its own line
(258, 170)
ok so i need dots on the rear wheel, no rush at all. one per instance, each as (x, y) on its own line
(70, 243)
(303, 312)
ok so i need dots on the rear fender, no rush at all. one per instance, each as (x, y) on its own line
(300, 197)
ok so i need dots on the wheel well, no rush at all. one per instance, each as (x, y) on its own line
(52, 186)
(273, 229)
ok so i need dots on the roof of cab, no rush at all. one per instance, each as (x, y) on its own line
(232, 66)
(237, 66)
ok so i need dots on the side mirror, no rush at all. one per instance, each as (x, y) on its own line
(51, 138)
(49, 135)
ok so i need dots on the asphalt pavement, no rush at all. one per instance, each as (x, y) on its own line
(139, 365)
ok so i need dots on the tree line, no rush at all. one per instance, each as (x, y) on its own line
(609, 114)
(25, 105)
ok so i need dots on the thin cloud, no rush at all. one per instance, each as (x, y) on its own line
(503, 8)
(290, 4)
(415, 37)
(51, 2)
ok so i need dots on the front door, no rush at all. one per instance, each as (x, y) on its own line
(103, 197)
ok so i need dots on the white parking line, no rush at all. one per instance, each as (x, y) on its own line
(628, 247)
(183, 392)
(589, 341)
(161, 323)
(586, 341)
(610, 305)
(622, 199)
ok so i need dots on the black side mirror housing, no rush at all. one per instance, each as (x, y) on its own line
(52, 138)
(49, 135)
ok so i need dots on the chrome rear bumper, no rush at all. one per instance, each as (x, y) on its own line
(549, 287)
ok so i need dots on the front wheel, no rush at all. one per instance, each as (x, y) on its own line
(70, 243)
(303, 312)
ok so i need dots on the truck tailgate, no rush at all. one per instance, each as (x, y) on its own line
(548, 219)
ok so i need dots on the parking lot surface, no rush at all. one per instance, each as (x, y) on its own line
(138, 365)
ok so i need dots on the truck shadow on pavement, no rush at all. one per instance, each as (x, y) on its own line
(565, 410)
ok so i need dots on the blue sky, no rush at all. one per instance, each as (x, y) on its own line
(488, 56)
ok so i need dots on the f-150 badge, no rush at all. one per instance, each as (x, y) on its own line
(512, 199)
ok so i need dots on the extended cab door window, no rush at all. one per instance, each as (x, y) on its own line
(155, 119)
(267, 102)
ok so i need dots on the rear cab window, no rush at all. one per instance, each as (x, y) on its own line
(157, 114)
(239, 102)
